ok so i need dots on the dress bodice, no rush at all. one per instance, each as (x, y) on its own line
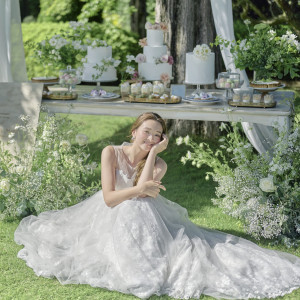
(125, 172)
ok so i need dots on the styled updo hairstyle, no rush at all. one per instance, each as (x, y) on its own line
(139, 121)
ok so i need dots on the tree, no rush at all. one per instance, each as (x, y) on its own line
(189, 23)
(276, 12)
(138, 17)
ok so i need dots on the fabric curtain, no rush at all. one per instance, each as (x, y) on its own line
(12, 57)
(261, 137)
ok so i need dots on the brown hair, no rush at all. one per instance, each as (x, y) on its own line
(139, 121)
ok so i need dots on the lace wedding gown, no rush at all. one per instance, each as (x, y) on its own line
(146, 246)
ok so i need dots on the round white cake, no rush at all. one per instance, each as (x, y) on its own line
(198, 71)
(155, 37)
(152, 53)
(95, 55)
(150, 71)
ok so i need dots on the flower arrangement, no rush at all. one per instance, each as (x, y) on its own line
(96, 43)
(130, 71)
(156, 26)
(55, 177)
(164, 59)
(266, 52)
(261, 190)
(61, 50)
(202, 52)
(143, 42)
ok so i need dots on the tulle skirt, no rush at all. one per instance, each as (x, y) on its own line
(147, 246)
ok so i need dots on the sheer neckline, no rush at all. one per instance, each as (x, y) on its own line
(126, 157)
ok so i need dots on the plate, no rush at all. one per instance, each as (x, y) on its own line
(210, 101)
(107, 96)
(271, 89)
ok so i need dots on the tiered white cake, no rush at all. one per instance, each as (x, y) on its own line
(98, 55)
(200, 66)
(157, 61)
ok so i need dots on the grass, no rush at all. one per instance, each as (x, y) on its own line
(185, 185)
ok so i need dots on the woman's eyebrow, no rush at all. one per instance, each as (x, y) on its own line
(151, 129)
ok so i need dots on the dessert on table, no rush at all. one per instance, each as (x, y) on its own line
(99, 65)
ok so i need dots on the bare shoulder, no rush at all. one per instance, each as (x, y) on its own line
(108, 154)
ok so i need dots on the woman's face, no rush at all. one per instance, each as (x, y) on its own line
(148, 134)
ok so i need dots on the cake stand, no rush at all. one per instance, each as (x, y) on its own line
(198, 88)
(265, 91)
(98, 82)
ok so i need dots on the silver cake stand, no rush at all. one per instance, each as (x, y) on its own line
(198, 84)
(99, 81)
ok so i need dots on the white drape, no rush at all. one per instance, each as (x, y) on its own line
(12, 58)
(261, 137)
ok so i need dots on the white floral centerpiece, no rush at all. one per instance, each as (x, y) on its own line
(202, 52)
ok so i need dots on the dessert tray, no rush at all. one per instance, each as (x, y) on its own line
(101, 98)
(59, 96)
(261, 104)
(167, 100)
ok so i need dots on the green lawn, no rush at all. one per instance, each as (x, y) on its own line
(185, 185)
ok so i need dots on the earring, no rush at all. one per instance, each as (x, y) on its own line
(133, 138)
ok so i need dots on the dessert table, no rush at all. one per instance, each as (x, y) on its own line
(278, 116)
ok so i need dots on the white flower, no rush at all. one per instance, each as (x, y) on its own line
(11, 135)
(130, 58)
(130, 70)
(56, 155)
(148, 25)
(65, 145)
(116, 62)
(267, 185)
(189, 155)
(202, 52)
(81, 139)
(247, 22)
(207, 177)
(4, 185)
(19, 169)
(186, 140)
(49, 160)
(179, 140)
(140, 58)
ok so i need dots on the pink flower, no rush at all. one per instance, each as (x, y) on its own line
(143, 42)
(170, 60)
(156, 26)
(135, 75)
(164, 77)
(140, 58)
(164, 58)
(163, 26)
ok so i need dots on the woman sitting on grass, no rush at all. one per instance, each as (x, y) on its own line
(130, 239)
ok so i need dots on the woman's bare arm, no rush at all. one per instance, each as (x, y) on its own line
(113, 197)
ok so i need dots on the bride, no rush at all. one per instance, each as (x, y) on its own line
(129, 238)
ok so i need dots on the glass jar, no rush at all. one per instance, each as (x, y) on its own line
(69, 77)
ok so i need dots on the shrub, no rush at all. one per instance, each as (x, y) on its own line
(56, 177)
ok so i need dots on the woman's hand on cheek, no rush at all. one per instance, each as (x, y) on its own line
(162, 145)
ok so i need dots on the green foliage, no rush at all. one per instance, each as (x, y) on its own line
(54, 178)
(59, 11)
(123, 41)
(266, 52)
(268, 203)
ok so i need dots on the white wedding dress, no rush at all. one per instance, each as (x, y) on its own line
(146, 246)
